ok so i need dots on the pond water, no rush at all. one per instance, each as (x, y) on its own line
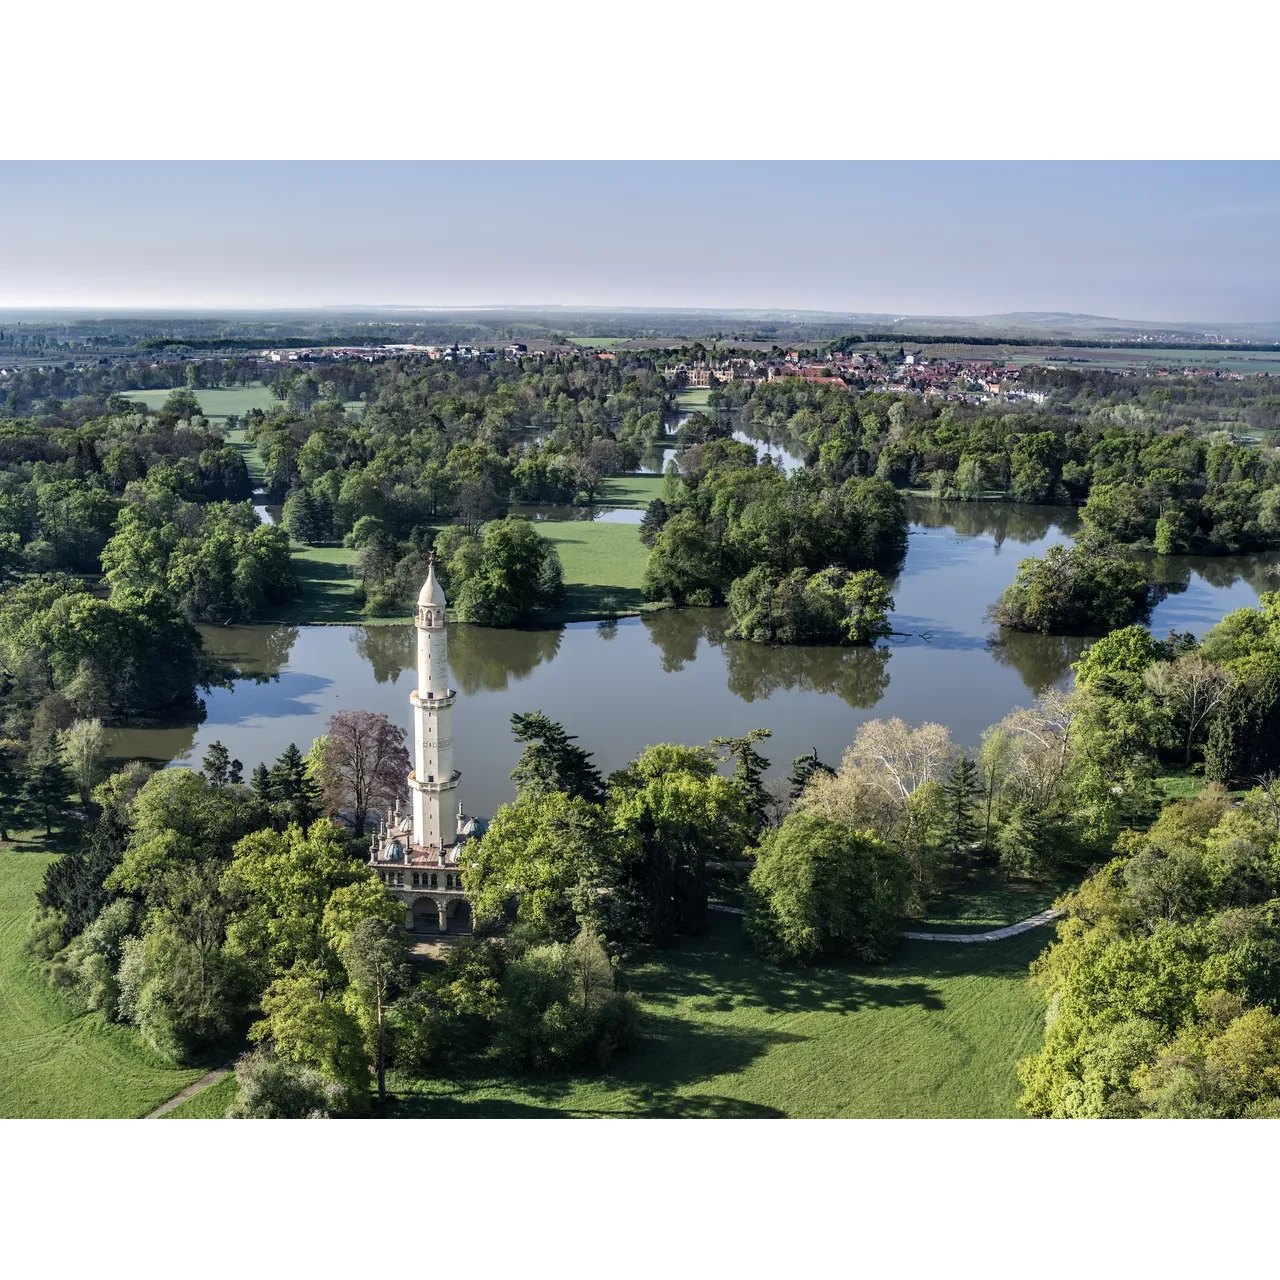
(674, 676)
(606, 515)
(654, 460)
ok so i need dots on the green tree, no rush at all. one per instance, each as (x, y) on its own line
(376, 958)
(803, 768)
(672, 812)
(550, 761)
(748, 770)
(551, 852)
(278, 884)
(82, 749)
(47, 789)
(819, 888)
(507, 577)
(11, 787)
(1076, 590)
(962, 789)
(219, 768)
(269, 1088)
(306, 1022)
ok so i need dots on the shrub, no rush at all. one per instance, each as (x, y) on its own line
(272, 1089)
(560, 1008)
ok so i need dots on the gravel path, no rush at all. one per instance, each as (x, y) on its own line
(203, 1083)
(992, 935)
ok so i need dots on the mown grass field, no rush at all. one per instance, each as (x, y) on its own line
(632, 490)
(984, 900)
(692, 398)
(602, 563)
(217, 402)
(221, 402)
(934, 1034)
(328, 591)
(53, 1062)
(208, 1104)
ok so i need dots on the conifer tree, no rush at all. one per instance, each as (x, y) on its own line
(10, 788)
(550, 761)
(961, 790)
(748, 770)
(47, 789)
(803, 768)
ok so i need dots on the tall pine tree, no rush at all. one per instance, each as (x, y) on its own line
(550, 761)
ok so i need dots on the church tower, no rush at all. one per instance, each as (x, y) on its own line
(417, 856)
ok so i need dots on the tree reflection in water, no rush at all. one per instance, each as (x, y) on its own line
(387, 650)
(676, 633)
(1041, 661)
(859, 676)
(1003, 521)
(489, 657)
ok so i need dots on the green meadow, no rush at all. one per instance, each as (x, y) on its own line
(935, 1034)
(53, 1061)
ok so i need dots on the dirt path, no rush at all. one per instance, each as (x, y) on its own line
(190, 1091)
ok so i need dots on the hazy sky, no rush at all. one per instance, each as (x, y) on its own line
(1175, 241)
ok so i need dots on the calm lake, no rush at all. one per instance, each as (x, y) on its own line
(673, 676)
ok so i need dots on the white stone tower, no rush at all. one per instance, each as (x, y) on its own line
(417, 856)
(434, 780)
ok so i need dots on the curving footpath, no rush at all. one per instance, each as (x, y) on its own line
(189, 1092)
(992, 935)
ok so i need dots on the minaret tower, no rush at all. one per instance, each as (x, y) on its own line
(418, 856)
(434, 780)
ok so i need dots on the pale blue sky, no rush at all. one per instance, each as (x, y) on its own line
(1172, 241)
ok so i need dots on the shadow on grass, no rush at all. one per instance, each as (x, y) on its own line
(717, 972)
(326, 593)
(582, 600)
(674, 1051)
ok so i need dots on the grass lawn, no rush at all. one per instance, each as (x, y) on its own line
(600, 561)
(239, 439)
(633, 490)
(934, 1034)
(217, 402)
(208, 1104)
(53, 1062)
(328, 589)
(221, 402)
(984, 899)
(692, 398)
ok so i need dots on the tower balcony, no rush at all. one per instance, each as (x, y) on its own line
(433, 786)
(433, 699)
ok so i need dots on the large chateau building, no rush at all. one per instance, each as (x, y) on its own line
(417, 856)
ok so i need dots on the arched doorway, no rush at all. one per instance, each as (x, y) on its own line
(426, 919)
(460, 917)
